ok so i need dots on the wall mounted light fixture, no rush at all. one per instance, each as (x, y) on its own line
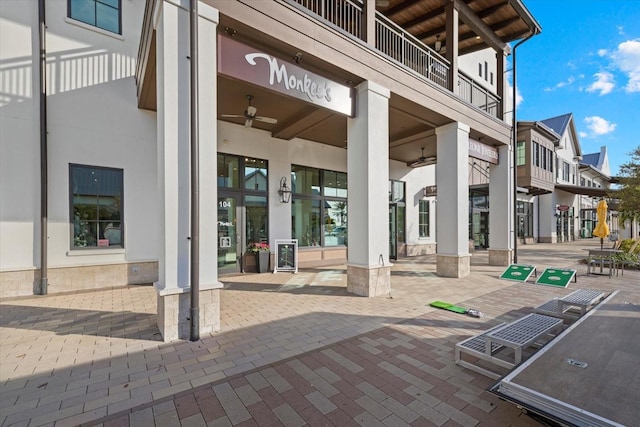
(284, 192)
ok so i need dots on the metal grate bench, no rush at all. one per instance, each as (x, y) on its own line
(516, 335)
(584, 299)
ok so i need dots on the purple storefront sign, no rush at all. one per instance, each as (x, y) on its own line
(245, 63)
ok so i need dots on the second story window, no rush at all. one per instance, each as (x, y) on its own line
(565, 171)
(104, 14)
(520, 156)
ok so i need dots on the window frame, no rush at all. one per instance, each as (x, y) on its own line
(95, 23)
(521, 154)
(72, 245)
(423, 226)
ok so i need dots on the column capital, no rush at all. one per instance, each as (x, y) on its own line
(452, 127)
(369, 86)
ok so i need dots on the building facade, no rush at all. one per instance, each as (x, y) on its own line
(348, 127)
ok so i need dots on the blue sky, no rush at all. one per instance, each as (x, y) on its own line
(586, 61)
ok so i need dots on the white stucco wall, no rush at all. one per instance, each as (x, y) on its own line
(93, 119)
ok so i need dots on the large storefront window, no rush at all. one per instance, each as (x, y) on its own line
(96, 196)
(525, 219)
(318, 207)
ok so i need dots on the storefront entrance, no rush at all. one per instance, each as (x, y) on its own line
(393, 231)
(480, 228)
(241, 220)
(229, 235)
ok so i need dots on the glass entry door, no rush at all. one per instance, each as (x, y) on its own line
(229, 235)
(480, 229)
(393, 231)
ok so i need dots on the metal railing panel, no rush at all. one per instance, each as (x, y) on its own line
(401, 46)
(344, 14)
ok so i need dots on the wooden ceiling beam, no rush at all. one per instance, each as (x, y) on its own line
(401, 7)
(420, 19)
(478, 26)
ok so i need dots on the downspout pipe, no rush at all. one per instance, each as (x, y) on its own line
(195, 175)
(514, 126)
(44, 192)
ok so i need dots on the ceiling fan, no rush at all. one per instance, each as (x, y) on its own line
(422, 161)
(250, 115)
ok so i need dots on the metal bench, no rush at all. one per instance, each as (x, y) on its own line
(583, 299)
(517, 335)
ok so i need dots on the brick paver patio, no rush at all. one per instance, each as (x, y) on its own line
(294, 350)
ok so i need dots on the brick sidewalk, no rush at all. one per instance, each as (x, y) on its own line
(293, 349)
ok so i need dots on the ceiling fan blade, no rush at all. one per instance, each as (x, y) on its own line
(232, 116)
(422, 161)
(265, 119)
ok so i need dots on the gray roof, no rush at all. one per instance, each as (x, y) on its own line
(559, 123)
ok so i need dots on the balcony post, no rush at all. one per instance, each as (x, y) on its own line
(500, 80)
(451, 52)
(369, 22)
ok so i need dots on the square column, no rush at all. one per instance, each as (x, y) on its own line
(501, 207)
(452, 227)
(173, 77)
(369, 269)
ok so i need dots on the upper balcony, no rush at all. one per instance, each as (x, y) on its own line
(426, 36)
(389, 42)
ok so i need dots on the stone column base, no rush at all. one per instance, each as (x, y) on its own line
(369, 281)
(453, 265)
(501, 257)
(174, 312)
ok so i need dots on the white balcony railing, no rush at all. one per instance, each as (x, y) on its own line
(402, 47)
(477, 95)
(396, 43)
(344, 14)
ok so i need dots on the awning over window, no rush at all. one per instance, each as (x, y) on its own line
(587, 191)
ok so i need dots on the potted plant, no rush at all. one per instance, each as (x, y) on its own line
(261, 251)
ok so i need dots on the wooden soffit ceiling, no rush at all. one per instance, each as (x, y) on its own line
(426, 20)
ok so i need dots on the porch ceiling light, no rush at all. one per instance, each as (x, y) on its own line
(438, 44)
(284, 192)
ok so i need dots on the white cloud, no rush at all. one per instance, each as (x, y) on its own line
(604, 83)
(569, 81)
(583, 134)
(598, 126)
(627, 59)
(509, 90)
(602, 52)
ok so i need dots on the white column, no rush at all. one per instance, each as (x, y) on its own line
(501, 207)
(453, 259)
(173, 106)
(172, 47)
(368, 269)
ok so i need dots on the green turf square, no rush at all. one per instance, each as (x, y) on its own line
(556, 277)
(519, 273)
